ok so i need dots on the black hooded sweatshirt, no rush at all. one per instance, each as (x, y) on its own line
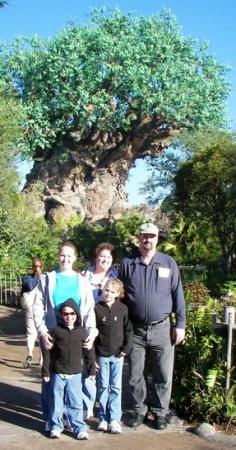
(67, 353)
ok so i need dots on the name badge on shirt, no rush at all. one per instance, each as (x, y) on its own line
(163, 272)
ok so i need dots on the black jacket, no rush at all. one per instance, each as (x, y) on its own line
(67, 352)
(115, 329)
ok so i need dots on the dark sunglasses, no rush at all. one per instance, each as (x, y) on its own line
(68, 313)
(37, 265)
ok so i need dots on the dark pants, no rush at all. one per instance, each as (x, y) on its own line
(156, 340)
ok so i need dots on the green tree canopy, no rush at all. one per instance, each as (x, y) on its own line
(112, 74)
(204, 187)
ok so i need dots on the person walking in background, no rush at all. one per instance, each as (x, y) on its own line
(112, 344)
(153, 291)
(62, 364)
(28, 291)
(97, 275)
(54, 288)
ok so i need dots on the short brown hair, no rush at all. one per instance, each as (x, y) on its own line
(116, 284)
(104, 246)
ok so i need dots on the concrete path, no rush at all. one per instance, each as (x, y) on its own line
(21, 425)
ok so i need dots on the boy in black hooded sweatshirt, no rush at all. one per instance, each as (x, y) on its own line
(62, 367)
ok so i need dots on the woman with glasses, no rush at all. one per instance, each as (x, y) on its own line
(54, 288)
(29, 283)
(97, 275)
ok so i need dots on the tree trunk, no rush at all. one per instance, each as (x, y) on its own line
(88, 176)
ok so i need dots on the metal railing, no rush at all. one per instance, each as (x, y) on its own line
(10, 288)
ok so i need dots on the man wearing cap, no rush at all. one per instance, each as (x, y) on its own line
(153, 291)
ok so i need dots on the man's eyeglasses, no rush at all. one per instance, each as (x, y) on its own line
(68, 313)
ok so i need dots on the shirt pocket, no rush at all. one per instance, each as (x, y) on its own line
(163, 280)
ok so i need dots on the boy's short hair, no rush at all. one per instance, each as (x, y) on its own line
(117, 284)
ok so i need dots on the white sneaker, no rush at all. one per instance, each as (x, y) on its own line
(82, 436)
(56, 434)
(102, 426)
(115, 427)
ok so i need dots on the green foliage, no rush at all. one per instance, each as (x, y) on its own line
(205, 188)
(200, 370)
(110, 74)
(189, 241)
(121, 233)
(22, 235)
(202, 193)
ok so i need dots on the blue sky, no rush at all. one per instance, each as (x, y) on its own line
(204, 19)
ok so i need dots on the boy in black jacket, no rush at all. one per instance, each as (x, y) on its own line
(62, 367)
(112, 344)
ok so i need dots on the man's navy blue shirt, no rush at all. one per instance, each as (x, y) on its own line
(153, 291)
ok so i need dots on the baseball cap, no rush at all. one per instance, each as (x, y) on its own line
(149, 228)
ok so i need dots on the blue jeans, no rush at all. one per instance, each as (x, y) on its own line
(89, 393)
(156, 340)
(67, 392)
(109, 387)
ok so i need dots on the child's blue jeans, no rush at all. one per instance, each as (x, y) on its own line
(109, 387)
(66, 391)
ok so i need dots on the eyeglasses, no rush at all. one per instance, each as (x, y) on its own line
(37, 265)
(68, 313)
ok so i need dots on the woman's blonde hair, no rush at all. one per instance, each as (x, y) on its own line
(116, 284)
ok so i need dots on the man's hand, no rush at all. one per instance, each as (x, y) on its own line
(97, 367)
(178, 335)
(88, 343)
(47, 341)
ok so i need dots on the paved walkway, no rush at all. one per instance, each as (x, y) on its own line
(21, 425)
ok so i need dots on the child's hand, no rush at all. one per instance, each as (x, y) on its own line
(46, 379)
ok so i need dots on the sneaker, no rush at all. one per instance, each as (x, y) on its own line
(115, 427)
(102, 426)
(82, 436)
(27, 362)
(55, 434)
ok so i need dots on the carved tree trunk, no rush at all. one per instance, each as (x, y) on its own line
(89, 175)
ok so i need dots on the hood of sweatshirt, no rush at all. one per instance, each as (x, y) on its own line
(73, 305)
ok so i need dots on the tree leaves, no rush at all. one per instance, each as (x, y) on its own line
(145, 63)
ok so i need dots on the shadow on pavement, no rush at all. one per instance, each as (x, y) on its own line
(20, 406)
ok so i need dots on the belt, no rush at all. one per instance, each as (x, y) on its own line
(150, 324)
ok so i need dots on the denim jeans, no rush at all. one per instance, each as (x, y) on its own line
(109, 387)
(69, 392)
(89, 393)
(156, 340)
